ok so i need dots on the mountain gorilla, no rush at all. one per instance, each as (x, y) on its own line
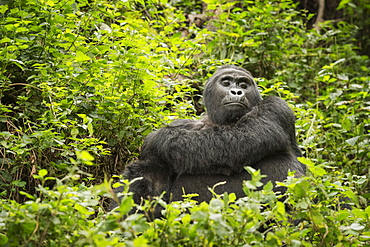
(240, 129)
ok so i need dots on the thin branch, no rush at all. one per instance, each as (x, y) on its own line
(320, 15)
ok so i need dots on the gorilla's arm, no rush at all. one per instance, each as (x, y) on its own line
(267, 129)
(187, 124)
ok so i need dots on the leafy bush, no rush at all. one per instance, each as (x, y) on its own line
(91, 76)
(322, 68)
(70, 216)
(83, 82)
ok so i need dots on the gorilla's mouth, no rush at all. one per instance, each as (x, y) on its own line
(242, 104)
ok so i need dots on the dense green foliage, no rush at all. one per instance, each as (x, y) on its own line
(83, 82)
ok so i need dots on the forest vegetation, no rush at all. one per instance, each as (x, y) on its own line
(83, 82)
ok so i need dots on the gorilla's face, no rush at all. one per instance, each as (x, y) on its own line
(229, 94)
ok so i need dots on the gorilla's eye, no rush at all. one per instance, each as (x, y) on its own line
(225, 83)
(243, 85)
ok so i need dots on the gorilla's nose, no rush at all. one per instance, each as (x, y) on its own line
(236, 92)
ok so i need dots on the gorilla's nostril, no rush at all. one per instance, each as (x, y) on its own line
(236, 92)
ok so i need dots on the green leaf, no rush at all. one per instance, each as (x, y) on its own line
(365, 235)
(347, 124)
(352, 141)
(116, 185)
(343, 215)
(80, 57)
(318, 171)
(21, 29)
(367, 210)
(3, 239)
(268, 186)
(300, 189)
(3, 8)
(126, 205)
(74, 132)
(19, 183)
(90, 128)
(232, 197)
(43, 172)
(302, 203)
(82, 209)
(186, 219)
(216, 204)
(141, 241)
(199, 215)
(357, 227)
(29, 226)
(343, 3)
(305, 161)
(5, 40)
(280, 208)
(84, 155)
(317, 218)
(27, 195)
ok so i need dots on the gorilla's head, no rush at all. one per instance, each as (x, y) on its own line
(229, 94)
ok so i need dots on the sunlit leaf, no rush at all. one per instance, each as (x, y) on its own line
(80, 57)
(43, 172)
(352, 141)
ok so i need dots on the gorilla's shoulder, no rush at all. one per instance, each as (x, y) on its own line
(274, 100)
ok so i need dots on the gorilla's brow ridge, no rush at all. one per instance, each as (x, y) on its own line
(227, 77)
(231, 70)
(236, 78)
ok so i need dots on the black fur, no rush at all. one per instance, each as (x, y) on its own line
(240, 129)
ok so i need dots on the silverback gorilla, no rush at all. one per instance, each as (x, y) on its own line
(240, 129)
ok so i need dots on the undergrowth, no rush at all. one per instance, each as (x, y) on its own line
(83, 82)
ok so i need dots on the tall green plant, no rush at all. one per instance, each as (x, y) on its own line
(94, 76)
